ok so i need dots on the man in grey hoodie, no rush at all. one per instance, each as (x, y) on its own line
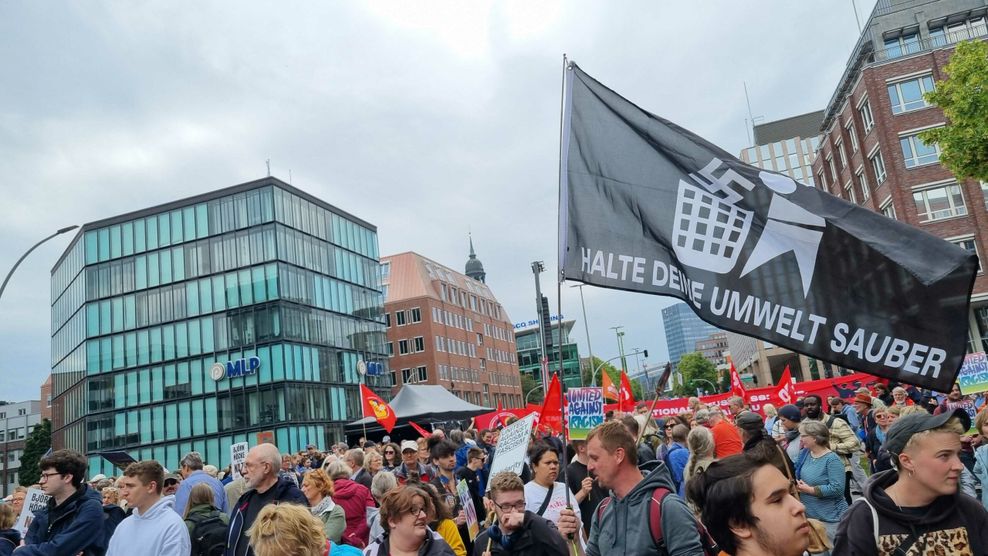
(621, 524)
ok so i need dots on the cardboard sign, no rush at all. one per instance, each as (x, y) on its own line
(586, 411)
(34, 500)
(238, 456)
(974, 373)
(473, 524)
(509, 455)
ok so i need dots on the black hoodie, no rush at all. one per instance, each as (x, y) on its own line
(956, 521)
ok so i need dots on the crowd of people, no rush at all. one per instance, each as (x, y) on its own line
(877, 474)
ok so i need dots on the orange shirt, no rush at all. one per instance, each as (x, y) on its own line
(727, 439)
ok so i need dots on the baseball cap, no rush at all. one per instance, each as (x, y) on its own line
(172, 477)
(904, 428)
(790, 412)
(98, 477)
(409, 445)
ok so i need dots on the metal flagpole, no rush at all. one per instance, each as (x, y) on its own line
(575, 544)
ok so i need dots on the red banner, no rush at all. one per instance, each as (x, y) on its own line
(783, 393)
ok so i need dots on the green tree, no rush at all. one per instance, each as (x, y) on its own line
(527, 385)
(35, 447)
(615, 375)
(963, 97)
(697, 372)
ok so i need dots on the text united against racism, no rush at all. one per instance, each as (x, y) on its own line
(895, 353)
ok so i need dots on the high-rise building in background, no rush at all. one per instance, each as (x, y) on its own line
(787, 146)
(683, 330)
(230, 316)
(528, 342)
(871, 153)
(713, 348)
(17, 422)
(447, 328)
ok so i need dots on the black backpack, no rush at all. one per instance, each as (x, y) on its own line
(209, 533)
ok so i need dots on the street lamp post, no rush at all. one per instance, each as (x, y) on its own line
(586, 327)
(537, 388)
(4, 287)
(712, 385)
(620, 341)
(24, 256)
(593, 377)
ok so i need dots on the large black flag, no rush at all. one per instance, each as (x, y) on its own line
(647, 206)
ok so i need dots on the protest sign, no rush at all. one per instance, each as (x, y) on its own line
(512, 445)
(974, 373)
(238, 456)
(586, 411)
(473, 524)
(34, 500)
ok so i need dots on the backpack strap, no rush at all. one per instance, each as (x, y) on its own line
(601, 507)
(655, 515)
(545, 502)
(874, 518)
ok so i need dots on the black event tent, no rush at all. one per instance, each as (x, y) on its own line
(426, 404)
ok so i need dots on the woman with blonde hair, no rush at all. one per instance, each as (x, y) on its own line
(290, 530)
(700, 442)
(318, 490)
(10, 538)
(373, 462)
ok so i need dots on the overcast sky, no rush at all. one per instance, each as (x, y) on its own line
(428, 119)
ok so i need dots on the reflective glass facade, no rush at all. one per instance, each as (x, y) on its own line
(144, 305)
(683, 330)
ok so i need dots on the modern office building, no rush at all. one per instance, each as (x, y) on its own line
(762, 363)
(871, 153)
(713, 348)
(683, 330)
(448, 329)
(529, 343)
(787, 146)
(17, 421)
(216, 319)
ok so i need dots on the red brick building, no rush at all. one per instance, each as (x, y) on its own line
(870, 153)
(447, 328)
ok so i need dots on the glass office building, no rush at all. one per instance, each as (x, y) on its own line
(232, 316)
(529, 344)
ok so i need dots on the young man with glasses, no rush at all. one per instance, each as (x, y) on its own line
(73, 521)
(519, 532)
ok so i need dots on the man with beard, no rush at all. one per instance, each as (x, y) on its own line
(621, 523)
(750, 508)
(917, 507)
(843, 441)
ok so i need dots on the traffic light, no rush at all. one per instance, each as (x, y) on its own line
(645, 353)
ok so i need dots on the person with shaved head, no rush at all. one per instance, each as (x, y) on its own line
(264, 487)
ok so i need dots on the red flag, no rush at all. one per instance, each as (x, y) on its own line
(626, 399)
(377, 408)
(423, 432)
(551, 416)
(786, 387)
(610, 391)
(737, 387)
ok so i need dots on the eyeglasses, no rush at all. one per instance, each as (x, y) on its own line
(670, 426)
(416, 510)
(46, 476)
(517, 506)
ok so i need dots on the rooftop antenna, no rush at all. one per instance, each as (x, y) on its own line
(268, 162)
(856, 18)
(751, 118)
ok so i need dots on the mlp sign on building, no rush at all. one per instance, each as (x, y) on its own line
(203, 322)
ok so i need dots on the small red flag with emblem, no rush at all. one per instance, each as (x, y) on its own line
(377, 408)
(626, 399)
(737, 387)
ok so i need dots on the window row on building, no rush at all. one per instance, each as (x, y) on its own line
(215, 450)
(907, 41)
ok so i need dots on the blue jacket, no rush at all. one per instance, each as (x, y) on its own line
(285, 492)
(9, 540)
(185, 489)
(677, 458)
(72, 528)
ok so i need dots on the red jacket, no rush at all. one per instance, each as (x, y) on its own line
(355, 498)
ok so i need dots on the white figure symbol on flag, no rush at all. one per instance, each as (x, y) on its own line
(710, 228)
